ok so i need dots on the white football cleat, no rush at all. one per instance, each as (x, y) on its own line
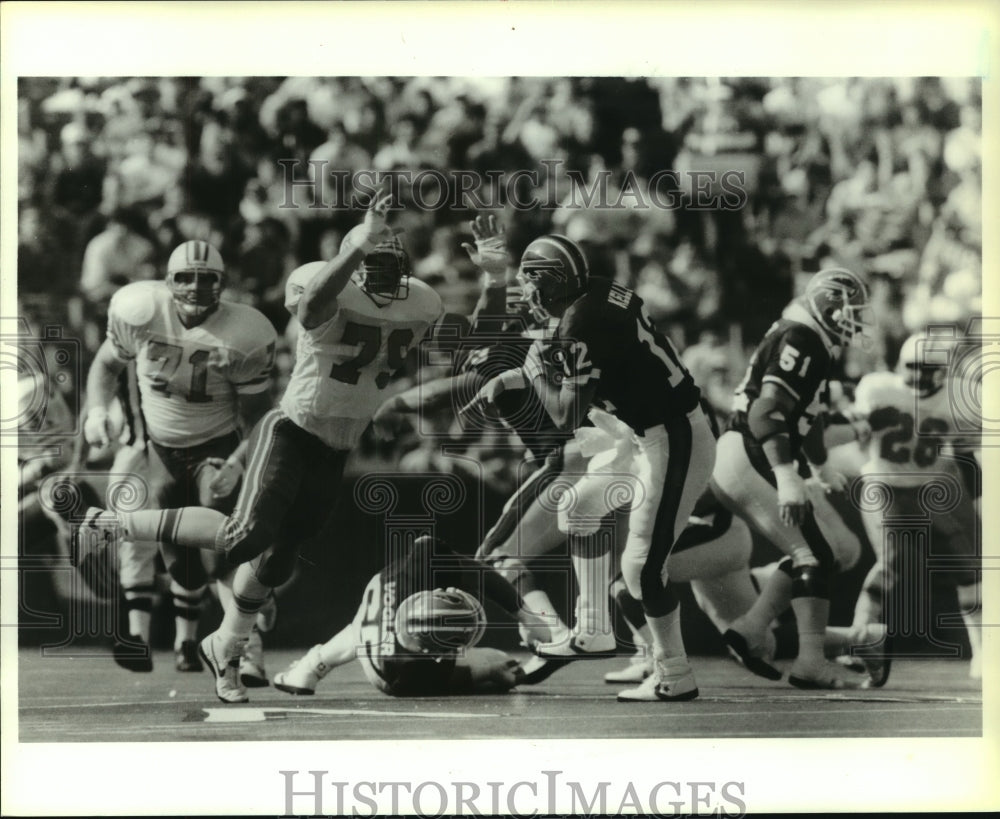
(639, 667)
(579, 645)
(671, 681)
(224, 663)
(252, 673)
(302, 676)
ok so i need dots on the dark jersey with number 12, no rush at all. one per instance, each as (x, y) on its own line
(607, 335)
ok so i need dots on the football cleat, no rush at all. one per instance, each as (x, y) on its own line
(752, 654)
(671, 681)
(824, 675)
(224, 662)
(538, 669)
(638, 669)
(186, 657)
(252, 673)
(133, 654)
(302, 676)
(579, 645)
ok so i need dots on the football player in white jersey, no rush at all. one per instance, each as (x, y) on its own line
(918, 460)
(360, 314)
(203, 367)
(761, 468)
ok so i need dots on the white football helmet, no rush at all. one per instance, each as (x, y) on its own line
(195, 276)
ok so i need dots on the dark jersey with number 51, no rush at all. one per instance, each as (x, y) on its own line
(606, 335)
(793, 356)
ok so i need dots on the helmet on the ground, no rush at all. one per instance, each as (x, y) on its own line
(440, 621)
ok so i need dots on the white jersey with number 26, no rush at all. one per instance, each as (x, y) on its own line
(911, 435)
(343, 366)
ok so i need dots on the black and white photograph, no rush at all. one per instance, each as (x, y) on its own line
(469, 409)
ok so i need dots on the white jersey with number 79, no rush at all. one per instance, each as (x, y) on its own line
(343, 366)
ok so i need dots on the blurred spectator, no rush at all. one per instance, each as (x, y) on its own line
(116, 256)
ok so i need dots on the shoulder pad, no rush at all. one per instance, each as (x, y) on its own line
(249, 327)
(135, 304)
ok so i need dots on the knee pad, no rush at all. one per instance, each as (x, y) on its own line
(811, 580)
(187, 569)
(630, 608)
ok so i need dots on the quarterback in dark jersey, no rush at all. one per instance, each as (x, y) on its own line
(416, 628)
(606, 352)
(774, 441)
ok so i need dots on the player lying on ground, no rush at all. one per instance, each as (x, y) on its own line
(416, 629)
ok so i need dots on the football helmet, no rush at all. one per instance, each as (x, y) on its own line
(195, 276)
(838, 300)
(923, 362)
(385, 271)
(553, 272)
(440, 621)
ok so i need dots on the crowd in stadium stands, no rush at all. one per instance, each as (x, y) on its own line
(881, 176)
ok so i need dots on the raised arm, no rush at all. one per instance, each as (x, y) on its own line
(318, 303)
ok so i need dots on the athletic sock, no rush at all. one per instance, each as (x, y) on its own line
(811, 615)
(249, 594)
(187, 612)
(665, 635)
(773, 600)
(592, 559)
(139, 604)
(192, 526)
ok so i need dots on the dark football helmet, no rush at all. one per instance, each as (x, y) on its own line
(553, 273)
(385, 271)
(838, 300)
(440, 621)
(195, 276)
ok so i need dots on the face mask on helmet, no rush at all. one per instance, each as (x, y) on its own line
(441, 621)
(195, 276)
(553, 272)
(838, 300)
(385, 271)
